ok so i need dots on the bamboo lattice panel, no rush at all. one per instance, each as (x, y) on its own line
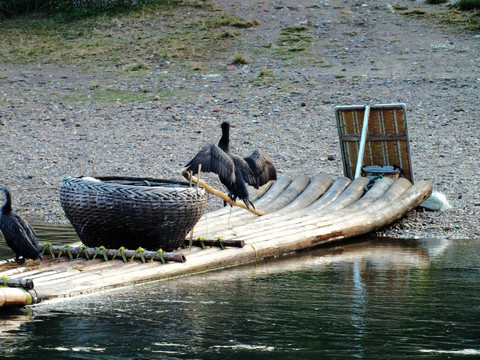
(387, 141)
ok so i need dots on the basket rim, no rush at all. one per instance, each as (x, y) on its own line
(144, 192)
(115, 180)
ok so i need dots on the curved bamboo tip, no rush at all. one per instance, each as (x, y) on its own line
(219, 193)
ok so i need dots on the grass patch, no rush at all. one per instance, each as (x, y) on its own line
(463, 20)
(239, 59)
(415, 12)
(137, 67)
(232, 21)
(68, 9)
(467, 5)
(178, 32)
(399, 7)
(100, 93)
(293, 39)
(228, 34)
(265, 74)
(265, 77)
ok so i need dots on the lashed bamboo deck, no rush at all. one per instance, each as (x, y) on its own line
(302, 212)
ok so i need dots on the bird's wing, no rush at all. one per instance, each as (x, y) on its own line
(262, 167)
(23, 236)
(213, 159)
(242, 166)
(8, 232)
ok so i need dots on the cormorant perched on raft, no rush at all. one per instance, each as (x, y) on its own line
(18, 234)
(234, 171)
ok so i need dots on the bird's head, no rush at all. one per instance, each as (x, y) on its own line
(7, 207)
(225, 125)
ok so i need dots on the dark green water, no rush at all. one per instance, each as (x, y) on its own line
(371, 299)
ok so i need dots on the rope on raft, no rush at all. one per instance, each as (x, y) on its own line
(111, 254)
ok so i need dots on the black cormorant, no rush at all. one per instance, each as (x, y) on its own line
(18, 234)
(234, 171)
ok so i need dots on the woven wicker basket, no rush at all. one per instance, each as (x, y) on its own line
(131, 212)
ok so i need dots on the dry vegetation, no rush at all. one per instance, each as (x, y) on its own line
(134, 41)
(184, 31)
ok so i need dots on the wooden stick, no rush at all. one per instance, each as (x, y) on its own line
(211, 242)
(110, 253)
(220, 194)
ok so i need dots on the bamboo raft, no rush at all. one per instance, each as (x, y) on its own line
(291, 214)
(302, 212)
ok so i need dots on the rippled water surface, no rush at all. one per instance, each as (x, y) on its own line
(415, 299)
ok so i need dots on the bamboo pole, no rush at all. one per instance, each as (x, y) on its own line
(217, 226)
(265, 226)
(90, 253)
(349, 226)
(229, 217)
(219, 242)
(297, 186)
(91, 276)
(46, 266)
(363, 139)
(17, 283)
(234, 216)
(287, 195)
(317, 187)
(346, 202)
(275, 190)
(334, 191)
(256, 194)
(220, 194)
(88, 281)
(258, 197)
(15, 297)
(314, 221)
(271, 221)
(80, 266)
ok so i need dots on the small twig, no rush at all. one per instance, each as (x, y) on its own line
(190, 243)
(198, 174)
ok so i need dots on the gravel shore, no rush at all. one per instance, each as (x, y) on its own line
(360, 52)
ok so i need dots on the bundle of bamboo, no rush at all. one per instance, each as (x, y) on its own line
(301, 213)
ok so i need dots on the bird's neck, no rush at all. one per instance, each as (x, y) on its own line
(7, 204)
(224, 142)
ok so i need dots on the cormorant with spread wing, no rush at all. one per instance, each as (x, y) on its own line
(234, 171)
(18, 234)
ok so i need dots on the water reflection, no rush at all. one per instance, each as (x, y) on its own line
(57, 234)
(406, 298)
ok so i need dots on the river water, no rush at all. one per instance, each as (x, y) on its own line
(366, 299)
